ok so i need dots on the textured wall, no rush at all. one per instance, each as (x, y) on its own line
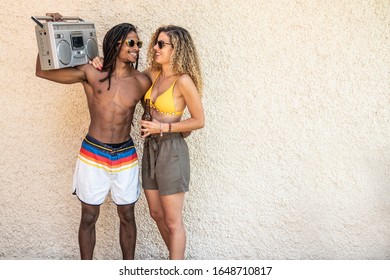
(294, 160)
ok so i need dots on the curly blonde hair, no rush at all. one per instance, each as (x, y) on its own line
(184, 59)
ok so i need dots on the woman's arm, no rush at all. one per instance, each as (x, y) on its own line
(193, 101)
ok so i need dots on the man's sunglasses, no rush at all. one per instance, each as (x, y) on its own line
(161, 44)
(131, 43)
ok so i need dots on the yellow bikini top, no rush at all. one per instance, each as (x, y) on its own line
(164, 102)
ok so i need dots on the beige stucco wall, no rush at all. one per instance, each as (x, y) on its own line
(294, 160)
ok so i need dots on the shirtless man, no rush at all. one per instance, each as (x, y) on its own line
(107, 160)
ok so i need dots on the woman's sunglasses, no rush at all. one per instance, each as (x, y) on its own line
(161, 44)
(131, 43)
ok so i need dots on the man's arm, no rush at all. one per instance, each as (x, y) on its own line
(63, 76)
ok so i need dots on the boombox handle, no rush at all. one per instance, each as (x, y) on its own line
(36, 19)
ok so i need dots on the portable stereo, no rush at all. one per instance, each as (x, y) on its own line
(64, 44)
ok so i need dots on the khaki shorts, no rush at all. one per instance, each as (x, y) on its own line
(166, 164)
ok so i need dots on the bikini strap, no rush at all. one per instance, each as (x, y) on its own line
(158, 74)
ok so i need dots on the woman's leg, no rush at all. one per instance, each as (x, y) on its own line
(157, 213)
(173, 215)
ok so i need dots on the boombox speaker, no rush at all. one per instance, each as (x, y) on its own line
(64, 44)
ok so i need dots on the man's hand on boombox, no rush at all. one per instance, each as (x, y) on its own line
(55, 16)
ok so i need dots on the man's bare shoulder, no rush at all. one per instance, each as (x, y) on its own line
(140, 76)
(91, 72)
(143, 79)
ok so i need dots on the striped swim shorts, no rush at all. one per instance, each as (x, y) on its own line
(100, 168)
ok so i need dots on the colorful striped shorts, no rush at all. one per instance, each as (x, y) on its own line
(101, 168)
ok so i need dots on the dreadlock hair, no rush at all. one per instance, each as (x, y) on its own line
(184, 59)
(111, 50)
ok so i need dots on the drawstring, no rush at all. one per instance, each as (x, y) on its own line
(152, 147)
(151, 150)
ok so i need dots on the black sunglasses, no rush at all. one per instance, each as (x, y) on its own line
(161, 44)
(131, 43)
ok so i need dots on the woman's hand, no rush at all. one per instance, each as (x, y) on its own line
(149, 128)
(97, 62)
(155, 127)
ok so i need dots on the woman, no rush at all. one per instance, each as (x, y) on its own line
(177, 84)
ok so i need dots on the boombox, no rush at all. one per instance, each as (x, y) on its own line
(65, 44)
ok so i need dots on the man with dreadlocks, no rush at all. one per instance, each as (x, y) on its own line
(108, 159)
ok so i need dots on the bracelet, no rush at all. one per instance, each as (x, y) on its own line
(170, 126)
(161, 132)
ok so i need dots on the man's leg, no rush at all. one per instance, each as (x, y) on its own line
(127, 231)
(87, 233)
